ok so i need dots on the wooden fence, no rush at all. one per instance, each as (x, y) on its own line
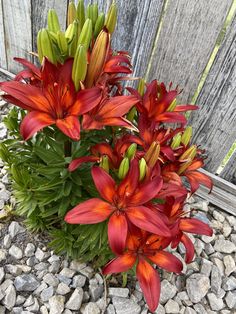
(189, 42)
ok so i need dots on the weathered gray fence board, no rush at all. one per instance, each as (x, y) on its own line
(17, 23)
(229, 171)
(3, 58)
(187, 38)
(215, 123)
(39, 15)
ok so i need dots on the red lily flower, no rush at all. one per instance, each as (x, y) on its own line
(123, 203)
(146, 249)
(54, 102)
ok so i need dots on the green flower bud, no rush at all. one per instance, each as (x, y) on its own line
(99, 24)
(81, 12)
(142, 169)
(104, 164)
(86, 34)
(111, 18)
(79, 68)
(141, 86)
(53, 23)
(172, 105)
(186, 137)
(124, 168)
(131, 151)
(71, 13)
(176, 141)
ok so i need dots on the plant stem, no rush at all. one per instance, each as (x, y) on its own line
(67, 148)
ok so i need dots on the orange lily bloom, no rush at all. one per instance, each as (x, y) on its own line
(145, 248)
(55, 101)
(123, 204)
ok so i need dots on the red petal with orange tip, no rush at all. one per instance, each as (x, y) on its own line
(167, 261)
(89, 212)
(117, 232)
(33, 122)
(104, 183)
(29, 65)
(120, 264)
(195, 178)
(130, 182)
(146, 192)
(194, 225)
(148, 220)
(189, 248)
(149, 281)
(70, 126)
(196, 164)
(183, 108)
(87, 99)
(78, 161)
(171, 117)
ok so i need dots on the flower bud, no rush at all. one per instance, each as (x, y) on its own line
(142, 169)
(189, 154)
(131, 151)
(124, 168)
(72, 34)
(99, 24)
(141, 86)
(184, 166)
(79, 68)
(186, 137)
(111, 19)
(98, 58)
(152, 154)
(172, 105)
(45, 46)
(80, 12)
(53, 23)
(71, 13)
(62, 43)
(104, 164)
(86, 34)
(176, 141)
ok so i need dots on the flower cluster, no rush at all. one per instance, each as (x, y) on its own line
(143, 166)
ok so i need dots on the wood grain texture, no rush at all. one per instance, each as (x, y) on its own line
(3, 57)
(187, 38)
(215, 123)
(39, 15)
(17, 25)
(229, 171)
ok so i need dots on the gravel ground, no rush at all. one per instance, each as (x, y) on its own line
(35, 280)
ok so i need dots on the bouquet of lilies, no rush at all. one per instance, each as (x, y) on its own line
(104, 163)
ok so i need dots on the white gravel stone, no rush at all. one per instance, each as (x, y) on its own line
(229, 264)
(15, 228)
(2, 274)
(29, 250)
(189, 310)
(7, 241)
(197, 286)
(91, 308)
(56, 304)
(168, 291)
(231, 299)
(51, 280)
(41, 255)
(75, 301)
(46, 294)
(224, 246)
(67, 272)
(3, 255)
(10, 297)
(15, 252)
(216, 279)
(125, 306)
(160, 309)
(63, 288)
(172, 307)
(78, 281)
(26, 282)
(216, 304)
(118, 292)
(218, 216)
(111, 309)
(206, 267)
(229, 283)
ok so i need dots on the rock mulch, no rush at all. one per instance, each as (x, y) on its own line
(35, 280)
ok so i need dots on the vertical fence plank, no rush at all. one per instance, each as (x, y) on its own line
(187, 38)
(229, 171)
(39, 15)
(215, 123)
(3, 58)
(17, 25)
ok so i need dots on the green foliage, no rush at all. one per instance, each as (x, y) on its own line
(45, 190)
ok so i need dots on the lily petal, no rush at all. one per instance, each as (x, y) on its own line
(120, 264)
(149, 281)
(171, 117)
(148, 220)
(167, 261)
(104, 183)
(33, 122)
(189, 248)
(78, 161)
(89, 212)
(194, 225)
(195, 178)
(70, 126)
(130, 182)
(117, 233)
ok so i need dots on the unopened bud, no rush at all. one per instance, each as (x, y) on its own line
(98, 57)
(79, 68)
(94, 13)
(152, 154)
(142, 169)
(45, 48)
(141, 86)
(62, 43)
(131, 151)
(111, 18)
(86, 34)
(99, 24)
(71, 14)
(124, 168)
(189, 154)
(72, 33)
(53, 23)
(176, 141)
(81, 12)
(186, 137)
(104, 164)
(184, 166)
(172, 105)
